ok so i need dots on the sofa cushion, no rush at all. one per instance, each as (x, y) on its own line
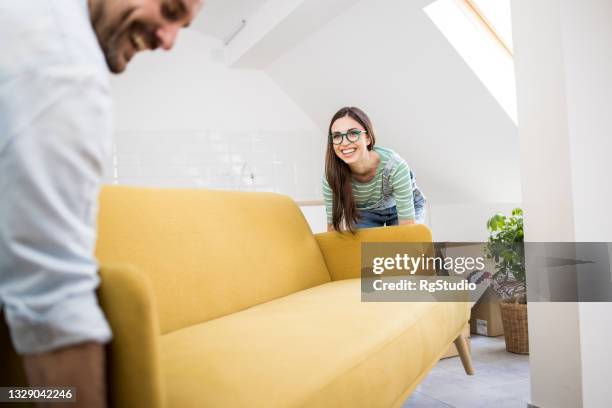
(209, 253)
(318, 347)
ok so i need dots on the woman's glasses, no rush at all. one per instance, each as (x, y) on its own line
(351, 135)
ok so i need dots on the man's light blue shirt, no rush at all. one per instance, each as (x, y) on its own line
(55, 135)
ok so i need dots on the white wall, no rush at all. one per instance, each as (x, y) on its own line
(465, 222)
(389, 58)
(316, 216)
(588, 67)
(563, 55)
(184, 119)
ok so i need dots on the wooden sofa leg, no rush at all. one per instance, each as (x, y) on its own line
(464, 354)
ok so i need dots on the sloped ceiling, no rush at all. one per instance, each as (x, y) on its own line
(388, 58)
(219, 18)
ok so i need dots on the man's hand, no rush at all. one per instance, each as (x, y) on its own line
(80, 366)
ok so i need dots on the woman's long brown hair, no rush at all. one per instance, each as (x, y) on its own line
(338, 173)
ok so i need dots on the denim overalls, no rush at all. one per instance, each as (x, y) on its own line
(385, 211)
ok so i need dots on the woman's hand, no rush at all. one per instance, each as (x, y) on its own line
(406, 222)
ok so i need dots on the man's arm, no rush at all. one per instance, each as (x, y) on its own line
(50, 174)
(80, 366)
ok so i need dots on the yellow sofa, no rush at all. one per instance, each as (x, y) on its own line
(227, 299)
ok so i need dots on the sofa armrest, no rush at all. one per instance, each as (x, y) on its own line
(133, 360)
(342, 251)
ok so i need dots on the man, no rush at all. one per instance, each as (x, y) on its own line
(55, 135)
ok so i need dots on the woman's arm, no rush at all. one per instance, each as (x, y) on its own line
(328, 198)
(402, 192)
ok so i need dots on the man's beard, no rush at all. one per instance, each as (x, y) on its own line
(111, 55)
(108, 34)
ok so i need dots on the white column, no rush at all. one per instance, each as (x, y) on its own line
(587, 38)
(563, 58)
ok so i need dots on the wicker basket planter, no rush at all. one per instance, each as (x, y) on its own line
(516, 333)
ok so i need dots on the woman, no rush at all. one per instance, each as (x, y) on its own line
(366, 186)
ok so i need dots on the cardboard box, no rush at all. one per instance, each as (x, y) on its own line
(486, 316)
(452, 350)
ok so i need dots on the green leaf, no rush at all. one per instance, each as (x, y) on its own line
(505, 245)
(517, 212)
(493, 224)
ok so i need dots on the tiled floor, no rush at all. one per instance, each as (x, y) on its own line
(501, 380)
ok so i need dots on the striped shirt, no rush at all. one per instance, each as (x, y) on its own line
(367, 195)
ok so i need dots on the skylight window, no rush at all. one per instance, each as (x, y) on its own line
(481, 32)
(496, 14)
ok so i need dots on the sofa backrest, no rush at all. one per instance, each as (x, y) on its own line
(209, 253)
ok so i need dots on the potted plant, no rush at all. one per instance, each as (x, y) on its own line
(505, 248)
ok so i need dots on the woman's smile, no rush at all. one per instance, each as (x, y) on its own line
(348, 152)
